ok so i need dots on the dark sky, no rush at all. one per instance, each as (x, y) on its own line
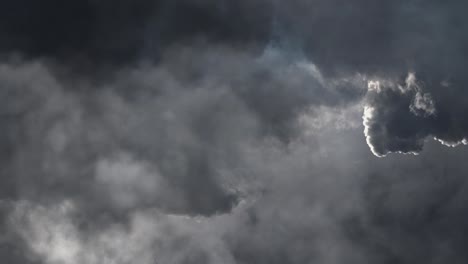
(233, 132)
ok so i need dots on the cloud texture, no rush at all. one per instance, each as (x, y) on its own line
(237, 132)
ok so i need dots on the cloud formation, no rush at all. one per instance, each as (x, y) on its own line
(402, 117)
(193, 131)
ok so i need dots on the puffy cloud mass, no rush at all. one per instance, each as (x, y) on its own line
(401, 117)
(237, 132)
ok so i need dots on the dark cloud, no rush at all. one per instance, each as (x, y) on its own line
(101, 34)
(402, 116)
(230, 132)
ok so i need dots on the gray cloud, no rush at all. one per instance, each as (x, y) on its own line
(400, 209)
(402, 117)
(231, 132)
(172, 135)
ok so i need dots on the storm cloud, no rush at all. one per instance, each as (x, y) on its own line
(237, 132)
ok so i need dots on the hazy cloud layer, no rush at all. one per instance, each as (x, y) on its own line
(234, 132)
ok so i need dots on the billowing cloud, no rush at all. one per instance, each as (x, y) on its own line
(193, 131)
(172, 135)
(401, 117)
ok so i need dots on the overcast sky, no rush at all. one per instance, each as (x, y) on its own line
(233, 132)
